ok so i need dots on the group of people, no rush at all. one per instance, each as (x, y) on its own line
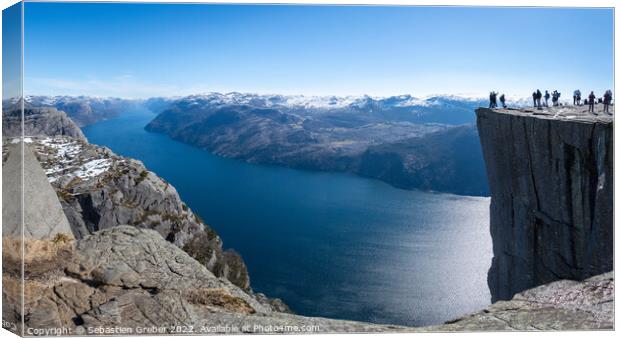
(591, 100)
(493, 100)
(537, 98)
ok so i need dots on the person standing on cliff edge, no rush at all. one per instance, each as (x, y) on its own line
(606, 101)
(502, 99)
(534, 98)
(591, 98)
(493, 100)
(547, 96)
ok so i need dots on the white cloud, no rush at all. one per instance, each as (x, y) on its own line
(126, 86)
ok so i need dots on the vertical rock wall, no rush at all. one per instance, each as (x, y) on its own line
(551, 183)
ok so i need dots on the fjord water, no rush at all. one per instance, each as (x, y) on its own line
(329, 244)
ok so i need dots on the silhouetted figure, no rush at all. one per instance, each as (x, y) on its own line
(578, 97)
(502, 99)
(538, 98)
(555, 97)
(547, 96)
(493, 100)
(534, 98)
(591, 98)
(606, 101)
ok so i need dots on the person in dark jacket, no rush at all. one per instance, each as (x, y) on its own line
(555, 98)
(547, 96)
(591, 98)
(493, 100)
(538, 98)
(502, 99)
(534, 98)
(606, 101)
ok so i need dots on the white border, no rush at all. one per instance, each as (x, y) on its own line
(490, 3)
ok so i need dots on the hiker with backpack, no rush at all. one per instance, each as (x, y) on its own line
(575, 98)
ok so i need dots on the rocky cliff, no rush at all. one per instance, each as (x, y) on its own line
(551, 180)
(38, 121)
(99, 189)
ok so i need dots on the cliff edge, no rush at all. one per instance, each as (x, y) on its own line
(551, 180)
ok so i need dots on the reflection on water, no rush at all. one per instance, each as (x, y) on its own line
(332, 245)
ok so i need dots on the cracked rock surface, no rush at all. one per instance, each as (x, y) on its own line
(561, 305)
(127, 277)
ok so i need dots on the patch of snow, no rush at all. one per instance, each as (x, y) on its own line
(93, 168)
(62, 147)
(18, 139)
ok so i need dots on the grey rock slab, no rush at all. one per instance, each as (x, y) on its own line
(43, 216)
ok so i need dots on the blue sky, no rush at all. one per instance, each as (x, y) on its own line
(143, 50)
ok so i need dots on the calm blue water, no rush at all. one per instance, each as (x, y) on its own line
(328, 244)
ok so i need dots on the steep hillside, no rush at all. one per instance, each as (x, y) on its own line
(449, 160)
(37, 121)
(338, 134)
(100, 190)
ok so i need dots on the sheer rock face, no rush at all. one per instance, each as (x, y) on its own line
(551, 179)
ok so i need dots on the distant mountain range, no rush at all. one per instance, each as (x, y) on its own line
(435, 109)
(430, 143)
(427, 143)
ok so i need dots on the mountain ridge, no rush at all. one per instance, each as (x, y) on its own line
(344, 134)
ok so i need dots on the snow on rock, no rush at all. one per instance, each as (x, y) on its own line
(18, 139)
(93, 168)
(64, 157)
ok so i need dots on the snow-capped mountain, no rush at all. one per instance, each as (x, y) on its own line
(432, 109)
(325, 102)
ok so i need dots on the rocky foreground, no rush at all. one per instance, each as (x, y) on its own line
(129, 280)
